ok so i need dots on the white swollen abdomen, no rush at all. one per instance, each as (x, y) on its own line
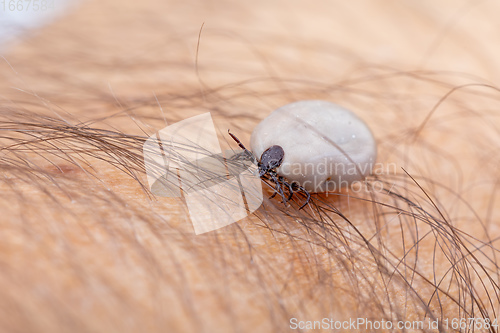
(326, 146)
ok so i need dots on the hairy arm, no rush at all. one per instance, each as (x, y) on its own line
(87, 247)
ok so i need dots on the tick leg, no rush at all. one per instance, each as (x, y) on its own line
(290, 189)
(304, 191)
(266, 177)
(308, 195)
(242, 146)
(237, 140)
(278, 189)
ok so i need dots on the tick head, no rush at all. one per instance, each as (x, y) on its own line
(271, 158)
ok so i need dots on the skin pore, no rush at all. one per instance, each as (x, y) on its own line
(86, 247)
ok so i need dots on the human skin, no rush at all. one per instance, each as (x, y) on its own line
(86, 247)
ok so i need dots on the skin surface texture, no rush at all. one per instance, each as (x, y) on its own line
(87, 247)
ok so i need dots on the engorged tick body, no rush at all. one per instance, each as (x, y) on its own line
(326, 146)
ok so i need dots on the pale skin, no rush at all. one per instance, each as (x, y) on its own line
(86, 247)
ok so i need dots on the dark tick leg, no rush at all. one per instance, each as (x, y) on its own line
(242, 146)
(290, 189)
(304, 191)
(237, 141)
(308, 195)
(274, 194)
(282, 181)
(278, 189)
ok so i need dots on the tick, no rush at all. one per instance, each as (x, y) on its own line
(271, 159)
